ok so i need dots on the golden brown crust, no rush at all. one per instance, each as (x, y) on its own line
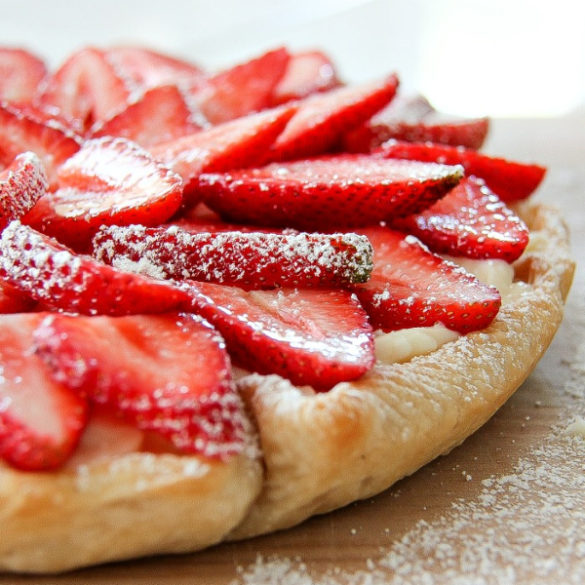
(123, 507)
(324, 451)
(320, 451)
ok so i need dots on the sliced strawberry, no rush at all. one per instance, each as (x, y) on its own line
(233, 145)
(251, 260)
(307, 72)
(164, 373)
(20, 74)
(328, 192)
(243, 89)
(411, 287)
(21, 184)
(200, 219)
(469, 221)
(13, 300)
(49, 272)
(146, 68)
(310, 336)
(41, 420)
(323, 119)
(160, 114)
(109, 181)
(22, 129)
(510, 180)
(85, 88)
(414, 119)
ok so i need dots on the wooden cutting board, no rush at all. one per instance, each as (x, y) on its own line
(507, 507)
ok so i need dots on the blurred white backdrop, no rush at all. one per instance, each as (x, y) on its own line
(503, 58)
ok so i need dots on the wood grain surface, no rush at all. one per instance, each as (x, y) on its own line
(508, 506)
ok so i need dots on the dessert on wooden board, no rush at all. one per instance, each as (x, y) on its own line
(233, 300)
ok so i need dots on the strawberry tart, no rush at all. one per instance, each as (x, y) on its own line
(231, 301)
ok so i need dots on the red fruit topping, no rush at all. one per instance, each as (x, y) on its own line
(309, 336)
(20, 74)
(13, 300)
(85, 88)
(233, 145)
(469, 221)
(243, 89)
(158, 115)
(200, 219)
(307, 72)
(109, 181)
(21, 184)
(49, 272)
(166, 373)
(145, 68)
(23, 129)
(323, 119)
(411, 287)
(413, 119)
(510, 180)
(328, 192)
(251, 260)
(40, 420)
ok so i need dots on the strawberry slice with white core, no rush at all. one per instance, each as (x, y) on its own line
(22, 129)
(85, 88)
(146, 68)
(469, 221)
(20, 74)
(41, 420)
(242, 89)
(233, 145)
(160, 114)
(322, 119)
(250, 260)
(169, 374)
(21, 185)
(309, 336)
(109, 181)
(49, 272)
(509, 180)
(328, 192)
(307, 72)
(411, 287)
(413, 118)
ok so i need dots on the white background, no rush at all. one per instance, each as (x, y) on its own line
(514, 58)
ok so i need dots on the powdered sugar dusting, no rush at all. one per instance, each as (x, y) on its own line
(21, 185)
(258, 258)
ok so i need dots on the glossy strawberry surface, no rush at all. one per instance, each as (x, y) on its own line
(322, 193)
(108, 181)
(470, 221)
(169, 374)
(510, 180)
(411, 287)
(41, 420)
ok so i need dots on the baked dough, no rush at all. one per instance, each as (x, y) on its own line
(318, 452)
(120, 507)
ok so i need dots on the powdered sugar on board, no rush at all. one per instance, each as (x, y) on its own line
(503, 536)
